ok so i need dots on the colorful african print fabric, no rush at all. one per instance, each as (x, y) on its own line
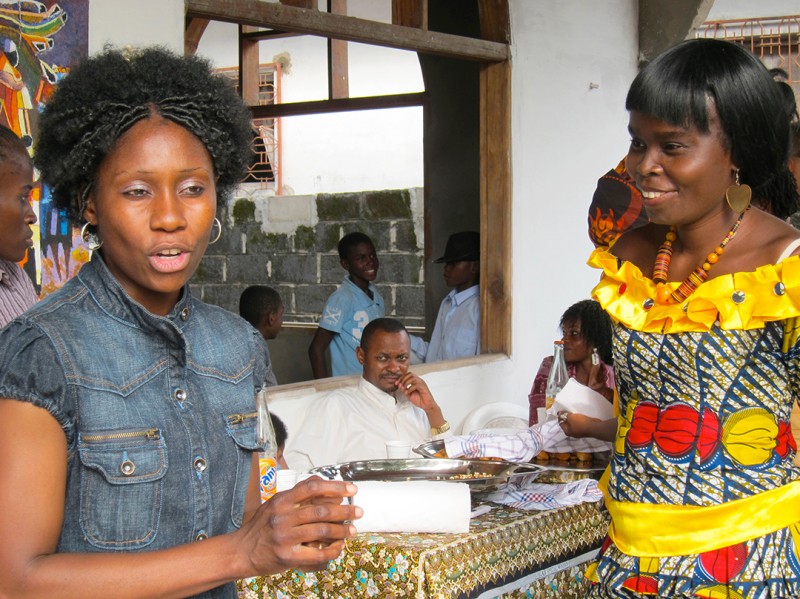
(706, 390)
(616, 207)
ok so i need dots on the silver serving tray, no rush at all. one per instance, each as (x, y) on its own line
(435, 449)
(480, 475)
(552, 471)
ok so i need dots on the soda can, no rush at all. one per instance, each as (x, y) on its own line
(267, 469)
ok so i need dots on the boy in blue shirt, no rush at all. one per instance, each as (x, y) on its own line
(348, 309)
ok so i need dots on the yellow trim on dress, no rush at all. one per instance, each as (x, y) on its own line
(738, 301)
(658, 530)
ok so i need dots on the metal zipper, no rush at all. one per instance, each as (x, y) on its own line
(239, 418)
(151, 434)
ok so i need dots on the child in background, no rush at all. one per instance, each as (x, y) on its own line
(16, 217)
(456, 333)
(348, 310)
(281, 434)
(263, 308)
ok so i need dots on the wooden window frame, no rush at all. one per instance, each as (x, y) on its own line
(492, 52)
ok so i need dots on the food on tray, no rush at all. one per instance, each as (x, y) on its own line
(575, 456)
(469, 475)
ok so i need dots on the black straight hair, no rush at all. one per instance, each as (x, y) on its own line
(681, 84)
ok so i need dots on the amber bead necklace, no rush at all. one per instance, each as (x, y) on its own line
(696, 278)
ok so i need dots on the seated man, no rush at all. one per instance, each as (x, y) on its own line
(389, 403)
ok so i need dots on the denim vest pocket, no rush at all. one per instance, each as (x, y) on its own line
(242, 429)
(121, 487)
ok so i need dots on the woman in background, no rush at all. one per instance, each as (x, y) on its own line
(127, 406)
(586, 332)
(702, 489)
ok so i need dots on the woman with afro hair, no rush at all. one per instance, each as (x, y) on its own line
(127, 429)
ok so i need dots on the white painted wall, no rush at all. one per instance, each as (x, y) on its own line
(566, 136)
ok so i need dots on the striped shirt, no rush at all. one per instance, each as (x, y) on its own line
(16, 291)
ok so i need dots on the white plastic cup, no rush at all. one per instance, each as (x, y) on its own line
(398, 450)
(285, 480)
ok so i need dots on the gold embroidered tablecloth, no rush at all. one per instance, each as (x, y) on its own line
(513, 553)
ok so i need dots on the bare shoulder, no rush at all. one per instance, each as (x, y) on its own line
(640, 245)
(768, 237)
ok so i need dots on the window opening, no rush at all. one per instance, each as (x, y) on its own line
(774, 40)
(265, 167)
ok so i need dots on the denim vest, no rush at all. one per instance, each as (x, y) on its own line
(158, 412)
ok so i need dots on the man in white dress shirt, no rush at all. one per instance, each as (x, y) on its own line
(389, 403)
(456, 333)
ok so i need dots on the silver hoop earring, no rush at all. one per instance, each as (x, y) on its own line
(215, 238)
(90, 237)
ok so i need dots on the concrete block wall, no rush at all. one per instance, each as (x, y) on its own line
(289, 243)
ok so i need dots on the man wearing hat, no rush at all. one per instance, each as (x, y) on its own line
(456, 333)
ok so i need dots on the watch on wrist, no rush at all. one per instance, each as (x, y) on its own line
(440, 429)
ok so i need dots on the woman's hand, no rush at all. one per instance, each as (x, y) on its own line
(301, 528)
(581, 426)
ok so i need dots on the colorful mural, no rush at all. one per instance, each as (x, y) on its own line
(39, 40)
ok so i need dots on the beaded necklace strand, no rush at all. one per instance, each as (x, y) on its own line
(696, 278)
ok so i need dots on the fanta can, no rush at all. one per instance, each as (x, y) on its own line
(267, 469)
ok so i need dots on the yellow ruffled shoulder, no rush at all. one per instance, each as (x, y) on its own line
(738, 301)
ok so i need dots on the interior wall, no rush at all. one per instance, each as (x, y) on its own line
(572, 64)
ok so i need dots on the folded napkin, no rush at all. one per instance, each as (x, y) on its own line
(579, 399)
(520, 446)
(555, 441)
(413, 506)
(524, 493)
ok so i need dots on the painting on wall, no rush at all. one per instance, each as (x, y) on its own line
(39, 41)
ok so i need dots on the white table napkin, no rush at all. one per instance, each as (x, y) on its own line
(520, 445)
(413, 506)
(580, 399)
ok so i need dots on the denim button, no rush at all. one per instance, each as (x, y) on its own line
(185, 314)
(201, 536)
(127, 468)
(200, 464)
(738, 297)
(179, 394)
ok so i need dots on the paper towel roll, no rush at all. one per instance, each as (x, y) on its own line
(413, 506)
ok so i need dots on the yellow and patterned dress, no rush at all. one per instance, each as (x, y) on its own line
(702, 489)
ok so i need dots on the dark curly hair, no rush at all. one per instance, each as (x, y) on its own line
(106, 94)
(595, 326)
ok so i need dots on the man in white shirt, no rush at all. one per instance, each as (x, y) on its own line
(456, 333)
(389, 403)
